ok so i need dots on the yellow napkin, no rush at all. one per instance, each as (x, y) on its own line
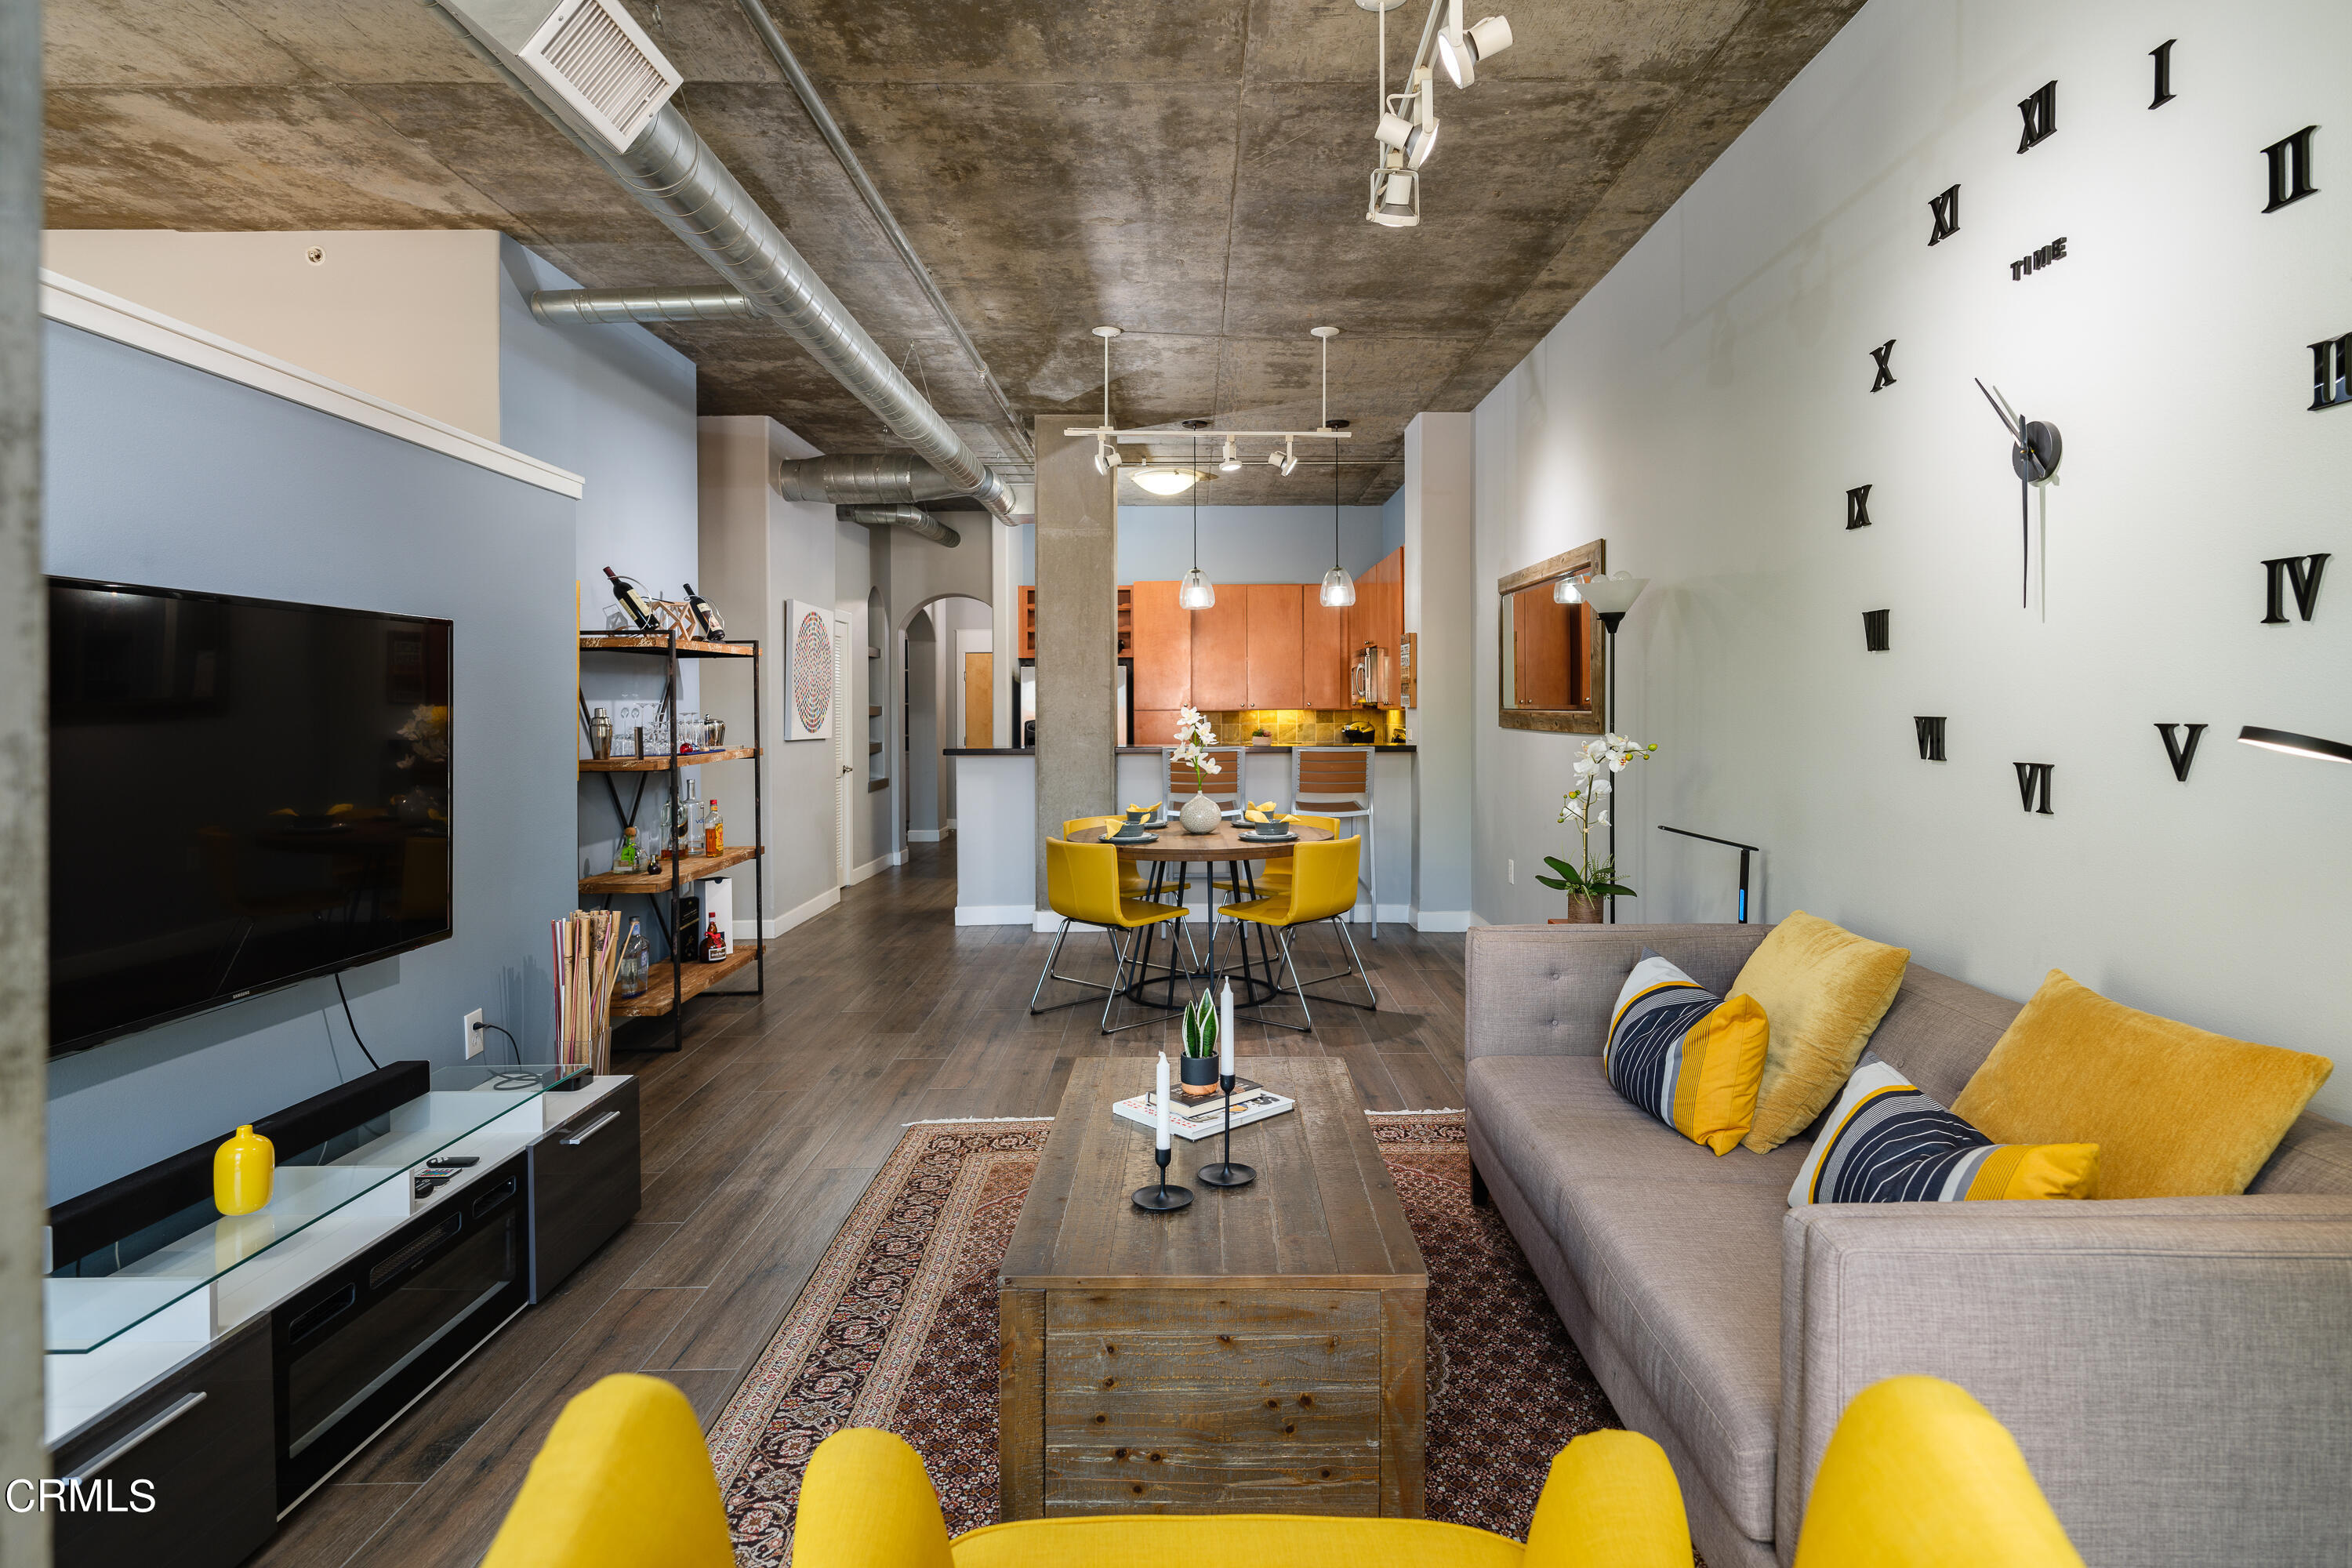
(1261, 811)
(1147, 812)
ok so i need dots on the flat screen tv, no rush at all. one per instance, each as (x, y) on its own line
(243, 793)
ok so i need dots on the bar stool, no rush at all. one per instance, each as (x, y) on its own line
(1322, 888)
(1082, 887)
(1337, 782)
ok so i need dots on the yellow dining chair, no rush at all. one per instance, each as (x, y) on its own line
(1132, 882)
(622, 1481)
(1322, 887)
(1082, 887)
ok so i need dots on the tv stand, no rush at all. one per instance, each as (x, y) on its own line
(234, 1364)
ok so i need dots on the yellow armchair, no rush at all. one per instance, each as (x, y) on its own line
(1917, 1475)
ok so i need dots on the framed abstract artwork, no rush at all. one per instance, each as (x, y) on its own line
(808, 672)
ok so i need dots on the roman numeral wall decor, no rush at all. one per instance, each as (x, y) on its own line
(2162, 55)
(2300, 572)
(2041, 112)
(1946, 209)
(1879, 356)
(1874, 631)
(2032, 782)
(2331, 372)
(2290, 162)
(2027, 266)
(1931, 739)
(2181, 753)
(1858, 507)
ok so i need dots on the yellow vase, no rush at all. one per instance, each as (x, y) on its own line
(243, 1169)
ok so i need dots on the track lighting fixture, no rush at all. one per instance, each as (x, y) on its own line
(1459, 49)
(1232, 462)
(1287, 459)
(1396, 196)
(1107, 459)
(1107, 455)
(1409, 125)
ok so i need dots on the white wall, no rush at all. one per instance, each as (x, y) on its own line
(1440, 601)
(1706, 407)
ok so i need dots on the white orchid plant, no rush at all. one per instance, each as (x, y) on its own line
(1587, 805)
(1194, 735)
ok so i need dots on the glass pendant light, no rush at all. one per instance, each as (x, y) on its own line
(1339, 588)
(1197, 592)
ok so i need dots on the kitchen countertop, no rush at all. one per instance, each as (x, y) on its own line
(1145, 751)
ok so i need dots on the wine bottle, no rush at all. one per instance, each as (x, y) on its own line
(634, 603)
(714, 625)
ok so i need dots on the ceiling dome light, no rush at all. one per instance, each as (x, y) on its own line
(1233, 459)
(1198, 593)
(1162, 480)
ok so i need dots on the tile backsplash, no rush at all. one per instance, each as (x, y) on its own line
(1293, 726)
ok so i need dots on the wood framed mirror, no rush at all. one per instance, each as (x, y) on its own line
(1551, 655)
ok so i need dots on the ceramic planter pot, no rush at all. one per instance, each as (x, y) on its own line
(1583, 910)
(1200, 815)
(1199, 1072)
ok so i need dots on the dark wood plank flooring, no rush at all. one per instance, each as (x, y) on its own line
(761, 1135)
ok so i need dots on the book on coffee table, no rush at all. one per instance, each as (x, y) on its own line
(1194, 1120)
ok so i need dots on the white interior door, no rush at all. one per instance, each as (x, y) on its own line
(845, 770)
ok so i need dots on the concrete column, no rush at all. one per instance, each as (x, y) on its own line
(24, 782)
(1440, 610)
(1077, 633)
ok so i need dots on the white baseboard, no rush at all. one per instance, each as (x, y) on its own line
(995, 914)
(747, 930)
(924, 836)
(879, 863)
(1439, 919)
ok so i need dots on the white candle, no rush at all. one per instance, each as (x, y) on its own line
(1161, 1137)
(1225, 1031)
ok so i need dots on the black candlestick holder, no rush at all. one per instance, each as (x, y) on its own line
(1163, 1198)
(1225, 1173)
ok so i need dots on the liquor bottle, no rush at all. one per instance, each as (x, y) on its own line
(714, 946)
(634, 964)
(625, 859)
(714, 831)
(683, 829)
(714, 626)
(634, 603)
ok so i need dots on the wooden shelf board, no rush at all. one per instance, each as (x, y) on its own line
(658, 763)
(873, 748)
(694, 867)
(696, 978)
(638, 642)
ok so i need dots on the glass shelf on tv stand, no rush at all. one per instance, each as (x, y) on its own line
(171, 1292)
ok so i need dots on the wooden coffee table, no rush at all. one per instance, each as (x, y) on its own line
(1258, 1351)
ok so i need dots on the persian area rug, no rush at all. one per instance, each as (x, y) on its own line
(896, 1328)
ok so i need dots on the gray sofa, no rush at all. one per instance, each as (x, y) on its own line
(2179, 1372)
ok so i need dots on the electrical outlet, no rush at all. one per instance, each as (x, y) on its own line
(474, 1033)
(1511, 872)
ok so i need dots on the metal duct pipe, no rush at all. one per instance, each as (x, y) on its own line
(612, 307)
(676, 176)
(865, 478)
(913, 519)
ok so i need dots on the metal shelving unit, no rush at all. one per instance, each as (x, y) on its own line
(686, 977)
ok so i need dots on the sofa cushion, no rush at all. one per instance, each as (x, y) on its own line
(1677, 1251)
(1824, 990)
(2177, 1111)
(1686, 1055)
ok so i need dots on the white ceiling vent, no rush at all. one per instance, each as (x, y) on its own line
(604, 68)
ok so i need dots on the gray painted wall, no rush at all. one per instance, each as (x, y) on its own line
(1243, 544)
(158, 473)
(1706, 406)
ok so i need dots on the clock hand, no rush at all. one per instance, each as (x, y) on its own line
(2024, 542)
(2008, 420)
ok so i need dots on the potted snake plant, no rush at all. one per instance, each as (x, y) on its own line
(1199, 1066)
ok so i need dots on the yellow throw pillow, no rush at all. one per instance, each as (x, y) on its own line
(2176, 1112)
(1824, 990)
(1683, 1054)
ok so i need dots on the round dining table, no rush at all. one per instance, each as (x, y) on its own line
(1170, 847)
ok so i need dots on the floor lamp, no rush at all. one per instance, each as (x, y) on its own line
(1610, 597)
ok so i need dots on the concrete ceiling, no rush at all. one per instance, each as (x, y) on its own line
(1193, 172)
